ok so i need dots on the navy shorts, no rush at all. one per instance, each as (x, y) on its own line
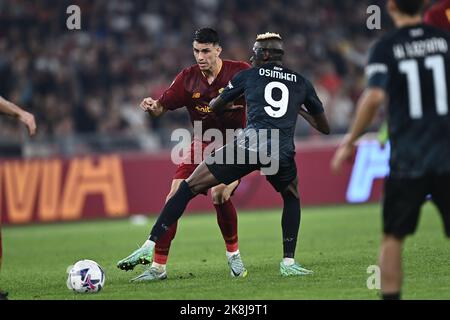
(404, 197)
(227, 173)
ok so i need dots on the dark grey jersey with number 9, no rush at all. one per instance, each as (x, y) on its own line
(274, 95)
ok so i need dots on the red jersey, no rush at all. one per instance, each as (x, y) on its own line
(439, 15)
(191, 89)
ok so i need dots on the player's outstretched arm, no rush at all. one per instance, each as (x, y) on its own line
(25, 117)
(153, 107)
(368, 104)
(234, 90)
(318, 122)
(218, 105)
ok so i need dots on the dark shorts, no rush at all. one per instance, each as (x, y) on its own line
(404, 197)
(227, 173)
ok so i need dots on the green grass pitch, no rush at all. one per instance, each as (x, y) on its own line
(338, 243)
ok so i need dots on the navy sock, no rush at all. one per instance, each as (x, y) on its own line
(172, 211)
(290, 224)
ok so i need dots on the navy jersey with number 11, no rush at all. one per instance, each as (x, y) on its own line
(412, 65)
(274, 95)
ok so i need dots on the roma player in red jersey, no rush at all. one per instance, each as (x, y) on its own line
(438, 15)
(10, 109)
(193, 88)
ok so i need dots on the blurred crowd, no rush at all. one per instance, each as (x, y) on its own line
(88, 83)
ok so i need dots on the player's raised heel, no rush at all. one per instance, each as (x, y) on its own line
(143, 255)
(237, 266)
(293, 270)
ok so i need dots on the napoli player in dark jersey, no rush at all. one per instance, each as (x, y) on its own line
(193, 89)
(411, 66)
(274, 96)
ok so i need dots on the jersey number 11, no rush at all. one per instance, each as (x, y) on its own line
(411, 69)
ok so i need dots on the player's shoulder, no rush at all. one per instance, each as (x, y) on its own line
(411, 33)
(383, 46)
(235, 65)
(437, 8)
(244, 72)
(301, 78)
(386, 40)
(191, 71)
(431, 30)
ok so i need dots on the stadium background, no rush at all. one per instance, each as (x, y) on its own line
(84, 87)
(97, 157)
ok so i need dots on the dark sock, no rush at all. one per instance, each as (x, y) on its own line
(290, 224)
(391, 296)
(172, 211)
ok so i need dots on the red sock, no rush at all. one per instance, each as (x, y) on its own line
(162, 246)
(227, 220)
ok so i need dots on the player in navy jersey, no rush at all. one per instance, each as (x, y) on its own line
(274, 96)
(193, 88)
(437, 15)
(10, 109)
(411, 67)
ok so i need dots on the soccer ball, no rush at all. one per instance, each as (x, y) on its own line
(86, 276)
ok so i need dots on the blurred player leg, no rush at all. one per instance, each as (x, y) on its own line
(403, 198)
(439, 193)
(391, 267)
(227, 220)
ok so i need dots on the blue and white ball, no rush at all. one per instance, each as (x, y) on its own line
(86, 276)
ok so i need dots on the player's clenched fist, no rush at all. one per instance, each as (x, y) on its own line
(152, 106)
(148, 104)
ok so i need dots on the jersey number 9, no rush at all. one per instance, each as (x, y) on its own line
(276, 108)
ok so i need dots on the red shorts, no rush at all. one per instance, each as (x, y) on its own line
(185, 169)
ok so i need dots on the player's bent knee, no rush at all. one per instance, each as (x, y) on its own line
(220, 196)
(222, 193)
(198, 188)
(290, 193)
(291, 190)
(174, 188)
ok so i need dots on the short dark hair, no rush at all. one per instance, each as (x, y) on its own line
(410, 7)
(206, 35)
